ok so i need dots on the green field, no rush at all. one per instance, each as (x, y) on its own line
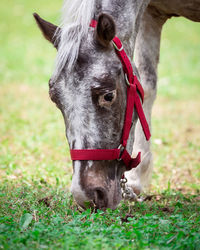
(36, 208)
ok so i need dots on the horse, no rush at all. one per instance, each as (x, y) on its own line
(89, 87)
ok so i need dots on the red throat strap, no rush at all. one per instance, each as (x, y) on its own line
(133, 101)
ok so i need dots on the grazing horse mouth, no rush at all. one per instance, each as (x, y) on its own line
(100, 198)
(98, 184)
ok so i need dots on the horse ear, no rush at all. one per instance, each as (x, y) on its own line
(48, 30)
(105, 30)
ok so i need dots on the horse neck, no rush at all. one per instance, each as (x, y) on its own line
(127, 15)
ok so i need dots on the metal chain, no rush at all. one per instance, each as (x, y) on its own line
(127, 192)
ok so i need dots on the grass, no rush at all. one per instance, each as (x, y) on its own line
(169, 220)
(36, 208)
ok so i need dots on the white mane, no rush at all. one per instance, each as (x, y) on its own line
(76, 17)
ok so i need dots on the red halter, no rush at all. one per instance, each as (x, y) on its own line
(133, 101)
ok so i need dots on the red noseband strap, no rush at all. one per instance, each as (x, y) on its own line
(133, 101)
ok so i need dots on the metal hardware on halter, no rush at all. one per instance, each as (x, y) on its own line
(121, 148)
(117, 47)
(127, 192)
(126, 79)
(123, 182)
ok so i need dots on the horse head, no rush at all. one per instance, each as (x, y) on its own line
(92, 96)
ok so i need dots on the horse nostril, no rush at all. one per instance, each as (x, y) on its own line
(100, 198)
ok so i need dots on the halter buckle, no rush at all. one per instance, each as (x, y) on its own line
(121, 148)
(126, 79)
(115, 46)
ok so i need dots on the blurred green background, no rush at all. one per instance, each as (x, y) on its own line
(32, 133)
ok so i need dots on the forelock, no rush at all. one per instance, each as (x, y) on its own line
(76, 17)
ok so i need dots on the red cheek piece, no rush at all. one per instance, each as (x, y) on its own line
(133, 101)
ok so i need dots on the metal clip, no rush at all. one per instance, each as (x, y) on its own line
(126, 79)
(115, 46)
(123, 184)
(121, 148)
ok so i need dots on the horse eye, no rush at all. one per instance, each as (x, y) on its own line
(109, 97)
